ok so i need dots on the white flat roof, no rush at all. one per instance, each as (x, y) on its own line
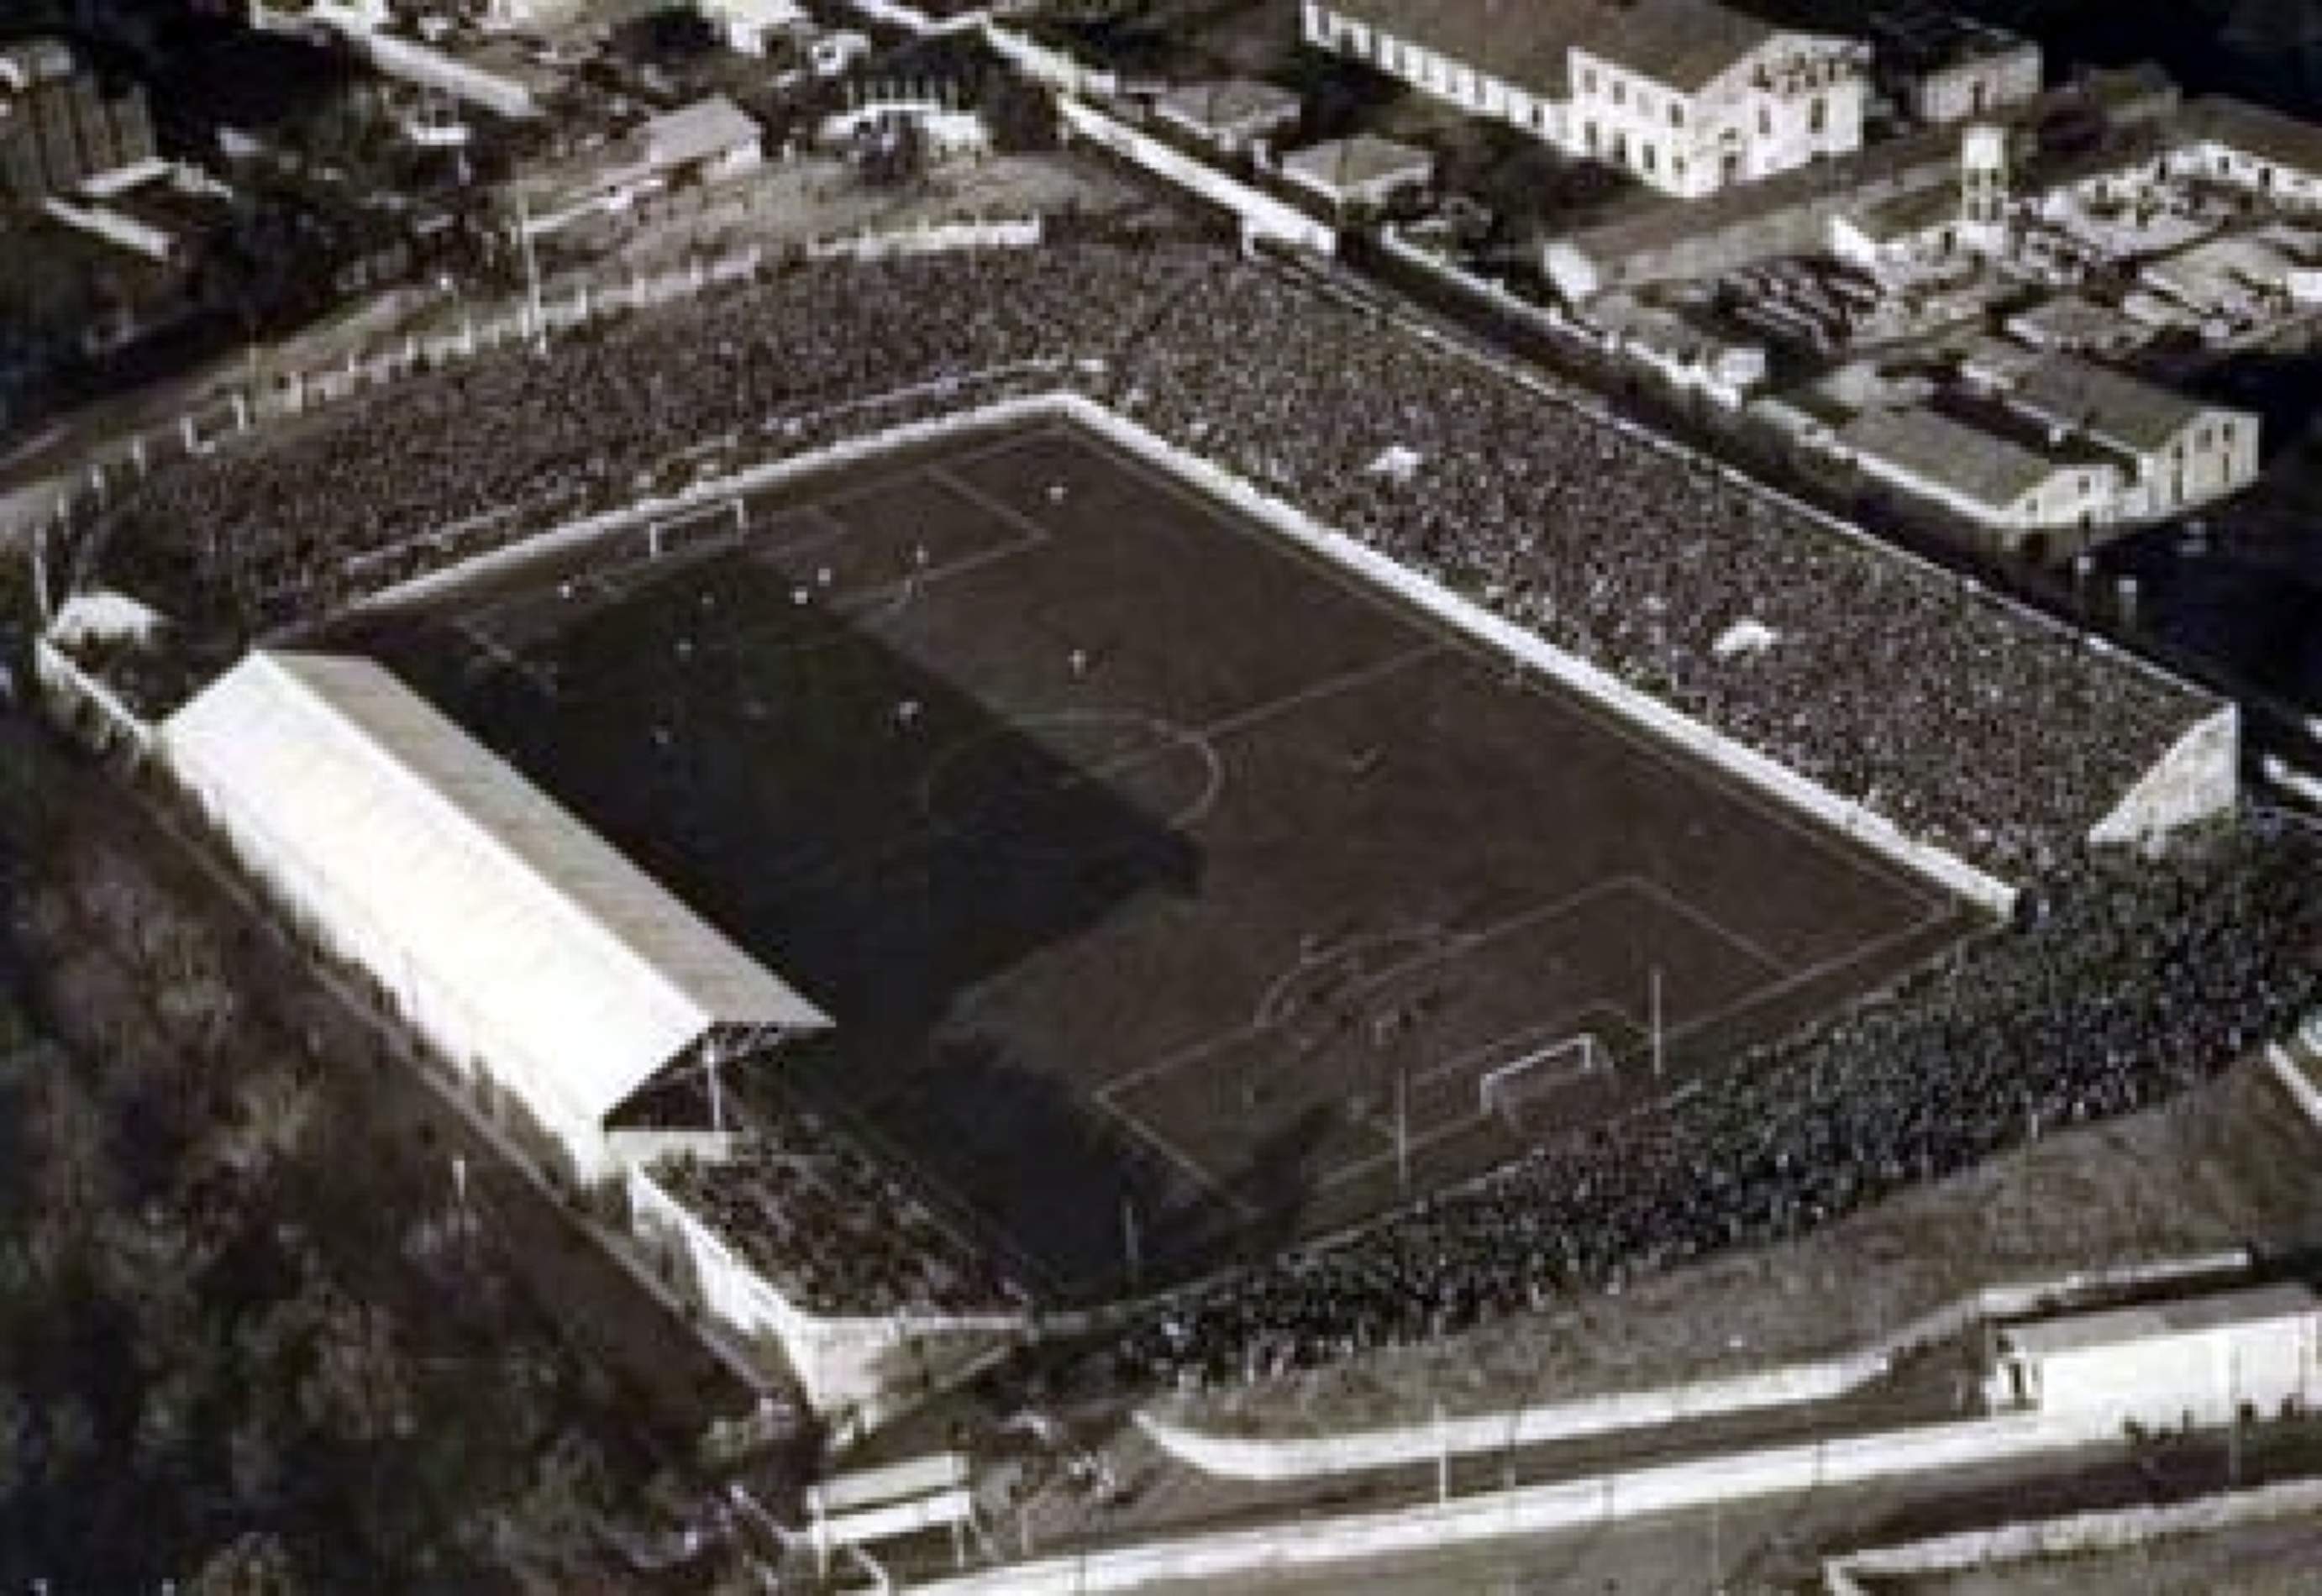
(2157, 1321)
(388, 814)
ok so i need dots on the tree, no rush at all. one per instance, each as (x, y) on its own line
(252, 1564)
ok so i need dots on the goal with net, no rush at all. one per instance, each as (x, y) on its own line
(713, 522)
(1504, 1090)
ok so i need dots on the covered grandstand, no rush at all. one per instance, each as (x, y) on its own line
(554, 973)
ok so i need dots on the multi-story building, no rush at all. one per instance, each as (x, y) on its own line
(1686, 95)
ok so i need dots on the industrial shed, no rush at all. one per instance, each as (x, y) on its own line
(524, 948)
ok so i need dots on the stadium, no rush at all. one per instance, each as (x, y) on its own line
(973, 805)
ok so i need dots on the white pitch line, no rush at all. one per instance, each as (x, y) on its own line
(1712, 924)
(506, 658)
(1186, 1163)
(1462, 944)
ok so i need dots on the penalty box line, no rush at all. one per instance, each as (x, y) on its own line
(1462, 944)
(888, 599)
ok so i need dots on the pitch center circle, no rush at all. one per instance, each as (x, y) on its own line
(1055, 782)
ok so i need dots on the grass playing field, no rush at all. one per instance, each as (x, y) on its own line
(1173, 890)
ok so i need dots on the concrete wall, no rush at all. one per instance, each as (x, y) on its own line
(855, 1372)
(2201, 1377)
(1394, 1447)
(1023, 234)
(2078, 1535)
(1262, 215)
(2295, 1082)
(1051, 68)
(1237, 1558)
(2197, 779)
(85, 707)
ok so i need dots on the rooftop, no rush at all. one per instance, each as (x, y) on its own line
(697, 132)
(2253, 130)
(2106, 405)
(1340, 165)
(559, 947)
(1917, 36)
(1982, 465)
(1684, 43)
(1228, 102)
(2158, 1320)
(1520, 41)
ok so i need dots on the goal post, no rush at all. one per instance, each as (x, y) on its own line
(700, 524)
(1502, 1091)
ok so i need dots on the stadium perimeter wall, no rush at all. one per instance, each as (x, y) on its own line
(857, 1372)
(2077, 1535)
(1396, 1447)
(1262, 215)
(1243, 1556)
(85, 707)
(2200, 777)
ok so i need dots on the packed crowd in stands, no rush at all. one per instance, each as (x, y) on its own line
(1863, 671)
(2135, 980)
(1969, 724)
(828, 1228)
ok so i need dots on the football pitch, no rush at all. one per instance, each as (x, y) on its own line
(1174, 891)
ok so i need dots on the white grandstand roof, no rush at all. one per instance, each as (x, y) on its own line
(570, 967)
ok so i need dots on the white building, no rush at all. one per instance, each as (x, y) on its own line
(551, 973)
(2201, 1362)
(1693, 98)
(1363, 170)
(751, 26)
(2249, 147)
(2037, 505)
(1686, 95)
(2176, 451)
(1230, 114)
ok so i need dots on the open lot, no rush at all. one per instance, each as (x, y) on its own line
(1175, 893)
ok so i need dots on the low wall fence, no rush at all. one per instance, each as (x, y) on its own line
(2295, 1082)
(562, 307)
(930, 239)
(856, 1370)
(1049, 67)
(1262, 216)
(1822, 1380)
(84, 705)
(631, 517)
(2078, 1535)
(1248, 1554)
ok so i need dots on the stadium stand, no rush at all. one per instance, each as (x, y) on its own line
(1969, 723)
(509, 934)
(1879, 673)
(2135, 980)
